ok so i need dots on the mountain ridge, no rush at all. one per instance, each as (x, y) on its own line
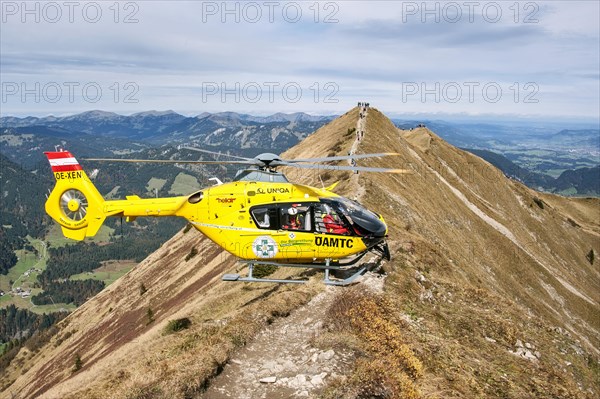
(539, 153)
(225, 129)
(12, 121)
(481, 264)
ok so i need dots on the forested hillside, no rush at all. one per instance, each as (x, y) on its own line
(21, 194)
(20, 327)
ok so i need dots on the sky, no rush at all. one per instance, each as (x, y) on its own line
(530, 59)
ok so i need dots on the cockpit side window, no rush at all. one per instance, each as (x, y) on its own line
(265, 217)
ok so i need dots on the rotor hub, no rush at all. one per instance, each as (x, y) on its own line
(267, 158)
(74, 204)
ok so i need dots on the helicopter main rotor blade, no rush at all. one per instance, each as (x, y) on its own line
(213, 152)
(341, 157)
(249, 162)
(349, 168)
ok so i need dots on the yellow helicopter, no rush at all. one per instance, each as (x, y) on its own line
(260, 217)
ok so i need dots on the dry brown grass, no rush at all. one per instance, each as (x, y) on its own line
(459, 294)
(184, 367)
(464, 336)
(464, 292)
(386, 367)
(123, 356)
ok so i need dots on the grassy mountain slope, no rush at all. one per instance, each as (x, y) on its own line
(483, 263)
(122, 346)
(495, 232)
(531, 179)
(112, 336)
(489, 287)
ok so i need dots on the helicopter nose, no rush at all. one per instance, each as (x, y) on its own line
(381, 229)
(385, 227)
(375, 225)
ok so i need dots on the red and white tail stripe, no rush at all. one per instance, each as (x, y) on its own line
(62, 161)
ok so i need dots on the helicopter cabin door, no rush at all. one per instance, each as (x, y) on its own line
(288, 228)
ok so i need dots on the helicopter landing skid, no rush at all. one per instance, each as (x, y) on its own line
(327, 266)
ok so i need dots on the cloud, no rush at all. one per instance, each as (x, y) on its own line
(443, 34)
(367, 49)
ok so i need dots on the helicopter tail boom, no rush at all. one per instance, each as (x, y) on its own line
(74, 203)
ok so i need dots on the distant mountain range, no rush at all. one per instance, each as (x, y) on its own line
(277, 131)
(509, 135)
(547, 157)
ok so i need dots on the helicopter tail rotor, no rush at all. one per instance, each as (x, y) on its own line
(74, 203)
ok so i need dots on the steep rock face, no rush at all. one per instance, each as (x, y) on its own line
(456, 222)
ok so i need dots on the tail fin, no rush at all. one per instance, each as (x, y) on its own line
(74, 203)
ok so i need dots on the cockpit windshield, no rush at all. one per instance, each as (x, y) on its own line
(353, 209)
(362, 220)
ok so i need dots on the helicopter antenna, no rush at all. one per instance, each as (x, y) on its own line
(322, 184)
(217, 181)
